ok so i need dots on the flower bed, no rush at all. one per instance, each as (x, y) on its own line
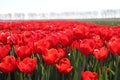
(59, 50)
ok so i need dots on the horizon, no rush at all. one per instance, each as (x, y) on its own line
(57, 9)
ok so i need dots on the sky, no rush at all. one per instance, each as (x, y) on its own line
(47, 6)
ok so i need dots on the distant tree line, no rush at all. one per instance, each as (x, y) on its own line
(110, 13)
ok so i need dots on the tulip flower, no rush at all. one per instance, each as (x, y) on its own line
(80, 31)
(62, 52)
(28, 65)
(64, 66)
(51, 56)
(101, 54)
(8, 64)
(4, 51)
(106, 33)
(3, 36)
(98, 41)
(22, 51)
(114, 45)
(41, 45)
(53, 40)
(75, 45)
(86, 46)
(63, 39)
(87, 75)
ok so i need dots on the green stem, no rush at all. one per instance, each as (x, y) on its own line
(84, 62)
(12, 75)
(21, 76)
(8, 77)
(12, 51)
(43, 72)
(117, 68)
(83, 66)
(48, 72)
(29, 77)
(101, 70)
(62, 76)
(95, 66)
(76, 67)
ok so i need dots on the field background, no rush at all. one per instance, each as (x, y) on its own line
(112, 22)
(103, 21)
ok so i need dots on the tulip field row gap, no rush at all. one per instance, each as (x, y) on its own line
(59, 50)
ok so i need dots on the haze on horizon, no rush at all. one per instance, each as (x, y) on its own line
(47, 6)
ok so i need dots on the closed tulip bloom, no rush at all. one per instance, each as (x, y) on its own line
(4, 51)
(26, 34)
(86, 46)
(3, 36)
(75, 45)
(41, 45)
(80, 31)
(51, 56)
(28, 65)
(101, 54)
(23, 51)
(64, 66)
(53, 40)
(87, 75)
(62, 52)
(97, 39)
(63, 39)
(114, 45)
(8, 64)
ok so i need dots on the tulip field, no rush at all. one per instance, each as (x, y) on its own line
(59, 50)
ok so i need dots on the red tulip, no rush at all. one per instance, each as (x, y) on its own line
(70, 35)
(75, 45)
(4, 51)
(22, 51)
(28, 65)
(64, 66)
(81, 31)
(53, 40)
(101, 54)
(87, 75)
(3, 36)
(106, 32)
(86, 46)
(63, 39)
(41, 45)
(8, 64)
(17, 39)
(51, 56)
(26, 34)
(62, 52)
(114, 45)
(98, 41)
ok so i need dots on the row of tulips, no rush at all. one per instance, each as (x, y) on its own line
(59, 50)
